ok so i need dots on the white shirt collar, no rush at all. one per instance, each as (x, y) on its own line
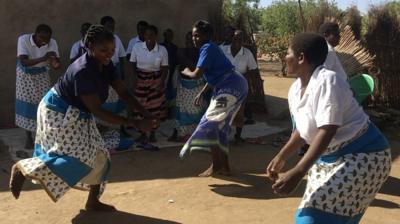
(228, 50)
(330, 47)
(136, 39)
(313, 80)
(33, 42)
(311, 84)
(156, 48)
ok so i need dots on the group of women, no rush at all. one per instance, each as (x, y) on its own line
(347, 162)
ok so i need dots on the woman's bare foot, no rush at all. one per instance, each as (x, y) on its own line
(16, 182)
(99, 206)
(213, 169)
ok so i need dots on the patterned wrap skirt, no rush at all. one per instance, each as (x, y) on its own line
(215, 125)
(32, 83)
(110, 133)
(69, 151)
(148, 94)
(114, 140)
(187, 115)
(345, 180)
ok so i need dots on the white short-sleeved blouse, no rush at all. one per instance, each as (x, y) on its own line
(327, 100)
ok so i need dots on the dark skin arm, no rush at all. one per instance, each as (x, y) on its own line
(93, 103)
(134, 73)
(51, 56)
(251, 72)
(54, 63)
(289, 180)
(131, 101)
(164, 73)
(26, 61)
(196, 74)
(276, 164)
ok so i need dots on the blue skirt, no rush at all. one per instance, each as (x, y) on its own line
(69, 151)
(32, 83)
(215, 125)
(345, 180)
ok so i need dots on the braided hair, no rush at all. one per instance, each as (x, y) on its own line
(97, 34)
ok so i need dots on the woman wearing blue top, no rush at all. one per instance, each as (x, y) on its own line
(229, 91)
(69, 151)
(348, 159)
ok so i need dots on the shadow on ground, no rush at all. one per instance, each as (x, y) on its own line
(119, 217)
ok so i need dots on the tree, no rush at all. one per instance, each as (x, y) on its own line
(242, 14)
(245, 15)
(282, 20)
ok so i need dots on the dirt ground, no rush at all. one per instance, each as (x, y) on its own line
(157, 187)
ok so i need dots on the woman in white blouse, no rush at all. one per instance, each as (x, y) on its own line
(37, 53)
(245, 64)
(348, 159)
(150, 61)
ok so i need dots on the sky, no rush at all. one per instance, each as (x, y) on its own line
(362, 5)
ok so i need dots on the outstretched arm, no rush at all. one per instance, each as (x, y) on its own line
(132, 102)
(196, 74)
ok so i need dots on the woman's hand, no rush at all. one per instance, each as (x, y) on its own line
(50, 54)
(274, 168)
(186, 72)
(288, 181)
(144, 125)
(53, 62)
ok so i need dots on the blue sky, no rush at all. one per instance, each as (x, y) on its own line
(362, 5)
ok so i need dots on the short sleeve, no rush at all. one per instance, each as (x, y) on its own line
(330, 60)
(84, 84)
(133, 57)
(164, 57)
(54, 47)
(130, 46)
(121, 50)
(74, 51)
(251, 62)
(205, 57)
(329, 103)
(21, 47)
(339, 68)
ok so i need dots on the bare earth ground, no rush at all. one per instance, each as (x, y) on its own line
(157, 187)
